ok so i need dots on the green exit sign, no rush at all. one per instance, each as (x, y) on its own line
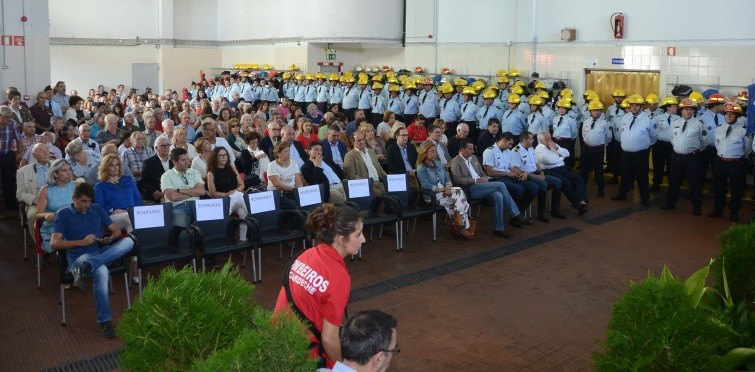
(330, 56)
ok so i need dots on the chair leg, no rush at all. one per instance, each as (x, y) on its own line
(259, 264)
(254, 265)
(26, 244)
(110, 284)
(141, 280)
(128, 292)
(39, 271)
(380, 234)
(194, 265)
(63, 303)
(203, 265)
(399, 235)
(435, 220)
(371, 228)
(280, 251)
(243, 262)
(414, 227)
(479, 208)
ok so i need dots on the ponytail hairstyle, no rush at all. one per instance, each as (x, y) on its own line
(328, 221)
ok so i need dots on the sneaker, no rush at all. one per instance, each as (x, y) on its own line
(81, 274)
(107, 330)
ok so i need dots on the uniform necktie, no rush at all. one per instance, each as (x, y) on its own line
(728, 131)
(509, 114)
(360, 94)
(445, 103)
(593, 125)
(635, 118)
(715, 119)
(617, 110)
(423, 99)
(464, 108)
(486, 112)
(374, 101)
(669, 120)
(684, 126)
(560, 118)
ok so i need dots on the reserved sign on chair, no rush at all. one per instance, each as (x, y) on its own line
(359, 188)
(149, 216)
(309, 195)
(209, 209)
(260, 202)
(396, 182)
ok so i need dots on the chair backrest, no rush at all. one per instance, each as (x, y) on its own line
(310, 197)
(264, 207)
(151, 224)
(211, 216)
(360, 192)
(398, 186)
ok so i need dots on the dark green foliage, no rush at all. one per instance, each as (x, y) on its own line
(182, 318)
(655, 327)
(738, 253)
(278, 344)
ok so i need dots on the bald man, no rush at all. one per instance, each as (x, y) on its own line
(111, 134)
(30, 178)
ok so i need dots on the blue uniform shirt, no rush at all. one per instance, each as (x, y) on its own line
(428, 104)
(712, 121)
(468, 111)
(637, 132)
(564, 127)
(484, 113)
(449, 110)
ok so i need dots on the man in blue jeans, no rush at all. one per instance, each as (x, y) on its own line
(466, 171)
(79, 230)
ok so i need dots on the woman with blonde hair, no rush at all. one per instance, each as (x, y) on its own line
(374, 143)
(180, 140)
(116, 192)
(56, 194)
(204, 151)
(434, 177)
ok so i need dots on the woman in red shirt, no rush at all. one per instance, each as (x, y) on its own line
(318, 284)
(306, 136)
(417, 130)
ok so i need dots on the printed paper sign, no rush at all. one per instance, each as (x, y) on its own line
(396, 182)
(309, 195)
(209, 209)
(359, 188)
(148, 216)
(261, 202)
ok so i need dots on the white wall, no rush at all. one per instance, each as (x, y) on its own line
(26, 68)
(108, 19)
(195, 20)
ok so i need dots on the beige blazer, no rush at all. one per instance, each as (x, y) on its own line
(354, 167)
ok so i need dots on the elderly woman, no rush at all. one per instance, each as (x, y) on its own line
(181, 140)
(116, 192)
(384, 129)
(224, 116)
(235, 138)
(283, 174)
(134, 157)
(56, 194)
(254, 163)
(223, 180)
(433, 176)
(313, 114)
(204, 151)
(81, 161)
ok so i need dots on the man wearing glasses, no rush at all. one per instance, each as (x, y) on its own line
(181, 184)
(368, 342)
(273, 137)
(153, 169)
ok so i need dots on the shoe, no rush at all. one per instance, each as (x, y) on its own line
(734, 217)
(502, 233)
(528, 221)
(214, 262)
(558, 215)
(667, 206)
(645, 202)
(107, 330)
(655, 188)
(517, 221)
(543, 216)
(135, 280)
(696, 211)
(619, 197)
(601, 193)
(81, 274)
(583, 208)
(715, 214)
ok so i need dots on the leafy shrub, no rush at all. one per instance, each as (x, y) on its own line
(738, 253)
(656, 327)
(279, 342)
(182, 318)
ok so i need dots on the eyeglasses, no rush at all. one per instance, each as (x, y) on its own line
(186, 181)
(403, 135)
(222, 155)
(395, 351)
(164, 145)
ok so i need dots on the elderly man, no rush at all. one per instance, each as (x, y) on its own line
(209, 132)
(321, 170)
(333, 149)
(153, 169)
(9, 139)
(46, 138)
(84, 137)
(551, 156)
(111, 134)
(30, 178)
(462, 130)
(79, 230)
(186, 124)
(524, 162)
(297, 149)
(150, 134)
(109, 149)
(60, 97)
(27, 139)
(362, 162)
(368, 342)
(274, 136)
(167, 126)
(466, 171)
(134, 157)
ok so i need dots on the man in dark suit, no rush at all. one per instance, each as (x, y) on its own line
(297, 149)
(268, 143)
(462, 130)
(402, 157)
(333, 149)
(153, 169)
(489, 137)
(320, 170)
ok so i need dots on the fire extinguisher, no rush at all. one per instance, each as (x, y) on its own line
(618, 26)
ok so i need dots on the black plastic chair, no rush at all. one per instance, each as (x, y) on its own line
(217, 237)
(306, 203)
(25, 228)
(272, 225)
(412, 203)
(370, 206)
(160, 244)
(66, 278)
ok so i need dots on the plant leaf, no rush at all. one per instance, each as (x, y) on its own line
(737, 357)
(695, 285)
(666, 275)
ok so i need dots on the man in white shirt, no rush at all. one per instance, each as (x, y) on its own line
(368, 342)
(552, 156)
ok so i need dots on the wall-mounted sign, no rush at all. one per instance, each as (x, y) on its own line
(617, 61)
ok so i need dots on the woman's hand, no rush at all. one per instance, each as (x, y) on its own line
(50, 217)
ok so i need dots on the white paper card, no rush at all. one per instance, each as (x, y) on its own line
(396, 182)
(359, 188)
(261, 202)
(309, 195)
(209, 209)
(148, 216)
